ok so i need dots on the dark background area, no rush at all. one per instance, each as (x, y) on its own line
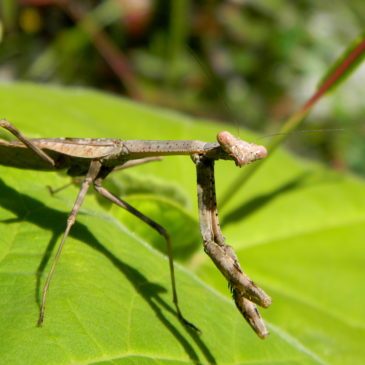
(252, 63)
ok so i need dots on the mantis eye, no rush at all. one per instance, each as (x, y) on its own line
(260, 152)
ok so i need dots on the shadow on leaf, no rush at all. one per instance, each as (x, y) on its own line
(29, 209)
(244, 210)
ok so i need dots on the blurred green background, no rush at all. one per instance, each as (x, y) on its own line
(252, 63)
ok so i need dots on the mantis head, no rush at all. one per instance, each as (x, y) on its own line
(240, 151)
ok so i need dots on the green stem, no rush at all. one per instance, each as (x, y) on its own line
(293, 122)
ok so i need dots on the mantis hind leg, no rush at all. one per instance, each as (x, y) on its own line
(14, 131)
(159, 229)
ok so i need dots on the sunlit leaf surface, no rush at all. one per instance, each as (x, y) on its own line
(298, 229)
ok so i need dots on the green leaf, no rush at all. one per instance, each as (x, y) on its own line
(298, 229)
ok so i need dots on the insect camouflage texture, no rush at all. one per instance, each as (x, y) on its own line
(95, 159)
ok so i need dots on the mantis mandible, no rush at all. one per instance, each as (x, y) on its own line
(95, 159)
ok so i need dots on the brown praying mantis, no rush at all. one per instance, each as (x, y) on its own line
(95, 159)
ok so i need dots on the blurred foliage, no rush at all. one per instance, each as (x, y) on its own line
(251, 62)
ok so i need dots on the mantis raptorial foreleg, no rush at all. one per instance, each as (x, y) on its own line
(244, 290)
(158, 228)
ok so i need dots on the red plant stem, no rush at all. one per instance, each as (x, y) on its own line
(344, 66)
(116, 60)
(295, 120)
(327, 84)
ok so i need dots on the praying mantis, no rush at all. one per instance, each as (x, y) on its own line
(95, 159)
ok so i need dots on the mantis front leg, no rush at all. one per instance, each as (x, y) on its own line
(245, 292)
